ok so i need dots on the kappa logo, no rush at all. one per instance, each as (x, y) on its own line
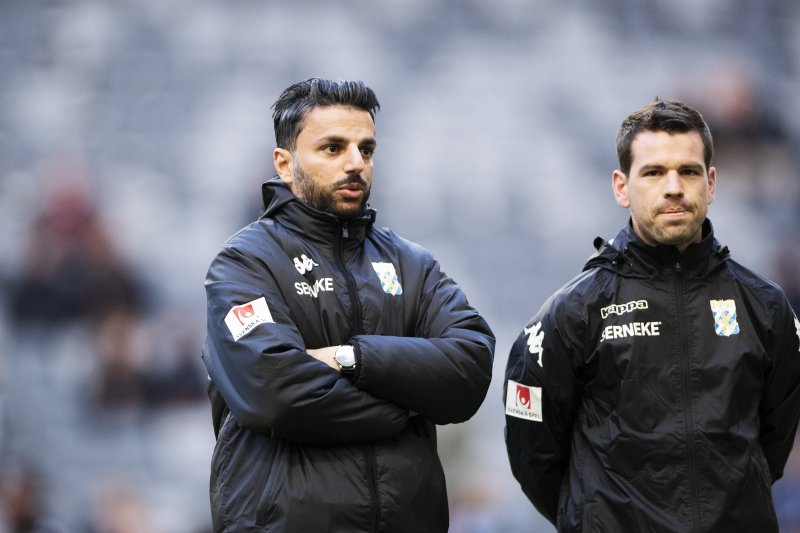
(621, 309)
(797, 327)
(724, 312)
(304, 264)
(524, 401)
(535, 340)
(242, 319)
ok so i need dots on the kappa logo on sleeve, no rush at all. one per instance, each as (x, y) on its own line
(242, 319)
(535, 340)
(797, 327)
(523, 401)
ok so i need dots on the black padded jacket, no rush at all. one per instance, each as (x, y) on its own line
(657, 392)
(300, 447)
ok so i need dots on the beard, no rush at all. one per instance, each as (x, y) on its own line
(323, 197)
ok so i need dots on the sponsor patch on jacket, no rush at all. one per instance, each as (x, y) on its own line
(724, 312)
(523, 401)
(388, 277)
(535, 340)
(242, 319)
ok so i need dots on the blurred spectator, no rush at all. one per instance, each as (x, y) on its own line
(71, 270)
(20, 497)
(21, 502)
(175, 375)
(118, 508)
(120, 382)
(785, 273)
(752, 144)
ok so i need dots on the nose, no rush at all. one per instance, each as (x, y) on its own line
(673, 185)
(353, 160)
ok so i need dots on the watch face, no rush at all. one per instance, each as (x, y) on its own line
(345, 356)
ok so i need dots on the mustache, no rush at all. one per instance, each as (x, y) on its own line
(684, 206)
(351, 178)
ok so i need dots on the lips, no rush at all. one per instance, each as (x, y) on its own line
(352, 191)
(674, 211)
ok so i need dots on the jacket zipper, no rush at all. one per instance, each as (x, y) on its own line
(351, 282)
(687, 398)
(369, 450)
(375, 517)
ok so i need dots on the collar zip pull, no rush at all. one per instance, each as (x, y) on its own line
(678, 266)
(345, 231)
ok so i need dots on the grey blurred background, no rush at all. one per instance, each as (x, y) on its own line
(134, 136)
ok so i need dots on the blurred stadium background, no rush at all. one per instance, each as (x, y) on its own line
(134, 136)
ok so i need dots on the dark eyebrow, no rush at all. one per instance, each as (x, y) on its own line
(648, 168)
(335, 139)
(694, 166)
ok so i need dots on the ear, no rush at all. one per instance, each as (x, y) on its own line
(619, 184)
(282, 159)
(712, 184)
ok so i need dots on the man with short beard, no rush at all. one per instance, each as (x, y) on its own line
(334, 346)
(659, 390)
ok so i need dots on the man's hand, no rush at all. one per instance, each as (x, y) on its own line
(325, 355)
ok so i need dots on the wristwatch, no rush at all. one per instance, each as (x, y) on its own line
(345, 357)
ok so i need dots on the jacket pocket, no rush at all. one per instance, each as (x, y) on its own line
(266, 501)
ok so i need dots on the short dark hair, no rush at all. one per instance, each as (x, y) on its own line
(662, 115)
(297, 100)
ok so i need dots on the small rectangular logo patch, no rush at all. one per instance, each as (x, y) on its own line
(388, 276)
(523, 401)
(724, 312)
(242, 319)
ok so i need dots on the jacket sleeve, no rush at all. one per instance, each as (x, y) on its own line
(541, 394)
(267, 380)
(443, 372)
(780, 403)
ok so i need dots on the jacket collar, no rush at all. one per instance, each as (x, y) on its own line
(318, 226)
(629, 254)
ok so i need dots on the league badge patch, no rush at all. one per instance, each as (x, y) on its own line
(724, 312)
(523, 401)
(388, 276)
(242, 319)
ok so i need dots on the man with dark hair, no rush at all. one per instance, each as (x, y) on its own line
(659, 390)
(334, 346)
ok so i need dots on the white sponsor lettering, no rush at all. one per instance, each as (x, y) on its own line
(621, 309)
(242, 319)
(321, 285)
(632, 329)
(524, 401)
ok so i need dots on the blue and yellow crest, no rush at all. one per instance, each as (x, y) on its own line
(724, 312)
(388, 277)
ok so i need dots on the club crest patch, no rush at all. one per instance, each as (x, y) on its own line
(523, 401)
(242, 319)
(388, 276)
(724, 312)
